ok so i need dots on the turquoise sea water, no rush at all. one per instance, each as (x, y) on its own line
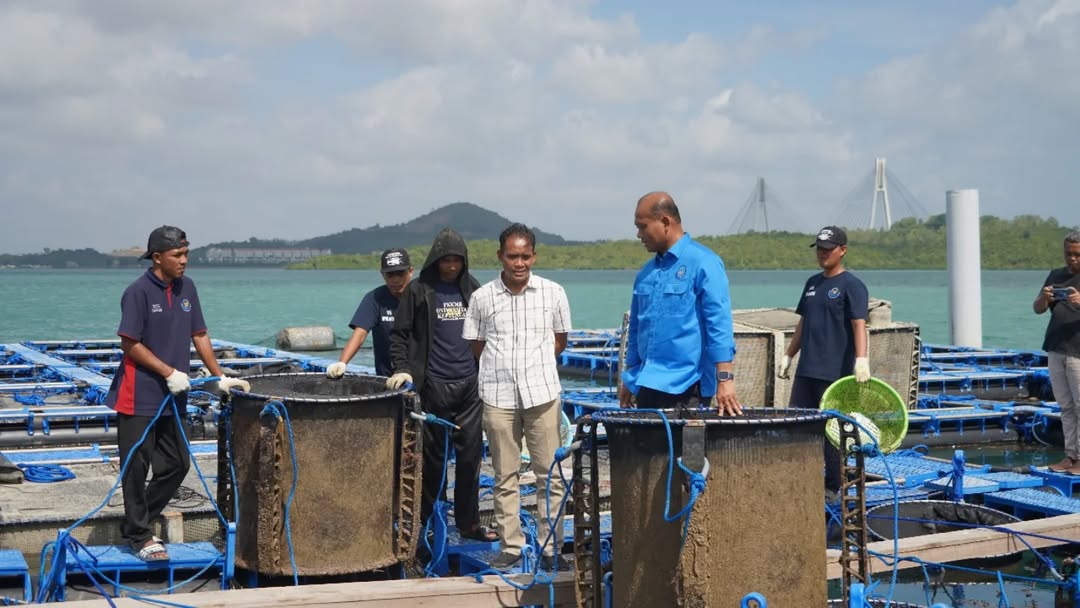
(252, 305)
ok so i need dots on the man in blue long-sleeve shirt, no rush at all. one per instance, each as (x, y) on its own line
(680, 342)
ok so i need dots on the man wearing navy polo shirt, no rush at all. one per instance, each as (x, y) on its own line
(831, 334)
(680, 343)
(376, 315)
(160, 317)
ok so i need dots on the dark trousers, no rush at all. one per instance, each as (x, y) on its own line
(653, 399)
(163, 450)
(806, 393)
(459, 402)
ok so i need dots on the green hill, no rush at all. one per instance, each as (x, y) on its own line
(472, 221)
(1025, 242)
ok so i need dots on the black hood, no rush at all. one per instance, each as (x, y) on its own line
(447, 242)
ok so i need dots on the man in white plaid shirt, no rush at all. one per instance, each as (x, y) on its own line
(518, 324)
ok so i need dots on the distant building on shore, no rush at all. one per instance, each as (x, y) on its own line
(130, 252)
(262, 255)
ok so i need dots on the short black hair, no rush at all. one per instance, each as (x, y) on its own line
(666, 206)
(517, 229)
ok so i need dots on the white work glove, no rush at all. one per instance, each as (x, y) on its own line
(862, 369)
(336, 370)
(178, 382)
(226, 384)
(398, 380)
(784, 371)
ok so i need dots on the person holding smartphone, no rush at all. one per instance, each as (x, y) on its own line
(1060, 294)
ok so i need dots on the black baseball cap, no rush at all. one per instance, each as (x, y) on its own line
(394, 260)
(830, 237)
(164, 238)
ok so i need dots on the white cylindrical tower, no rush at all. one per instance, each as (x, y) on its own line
(964, 261)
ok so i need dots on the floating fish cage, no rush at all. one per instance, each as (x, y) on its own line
(355, 506)
(764, 471)
(921, 517)
(762, 336)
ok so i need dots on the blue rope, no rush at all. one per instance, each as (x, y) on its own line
(436, 509)
(539, 577)
(278, 410)
(46, 473)
(894, 560)
(1018, 535)
(89, 568)
(37, 397)
(873, 450)
(697, 482)
(50, 581)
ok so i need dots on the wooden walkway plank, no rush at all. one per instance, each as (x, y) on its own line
(965, 544)
(456, 592)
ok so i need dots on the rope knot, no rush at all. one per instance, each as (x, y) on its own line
(697, 483)
(870, 449)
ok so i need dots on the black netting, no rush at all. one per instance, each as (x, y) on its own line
(316, 387)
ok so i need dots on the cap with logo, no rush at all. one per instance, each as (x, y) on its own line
(164, 238)
(830, 237)
(394, 260)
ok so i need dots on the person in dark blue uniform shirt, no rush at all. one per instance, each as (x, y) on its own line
(831, 333)
(160, 318)
(375, 315)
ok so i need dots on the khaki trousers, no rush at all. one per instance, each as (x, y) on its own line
(540, 427)
(1065, 380)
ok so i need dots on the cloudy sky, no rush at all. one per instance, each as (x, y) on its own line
(290, 119)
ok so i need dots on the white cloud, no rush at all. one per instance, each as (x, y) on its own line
(285, 119)
(996, 106)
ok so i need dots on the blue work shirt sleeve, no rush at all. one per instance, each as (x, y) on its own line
(715, 308)
(632, 364)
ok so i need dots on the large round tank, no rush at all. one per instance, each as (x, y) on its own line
(347, 437)
(758, 526)
(920, 517)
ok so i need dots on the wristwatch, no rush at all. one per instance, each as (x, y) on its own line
(724, 376)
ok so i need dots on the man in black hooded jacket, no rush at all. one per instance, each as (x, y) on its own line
(427, 350)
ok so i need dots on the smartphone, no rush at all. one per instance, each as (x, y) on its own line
(1061, 293)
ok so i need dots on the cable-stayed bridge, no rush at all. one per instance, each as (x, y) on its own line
(878, 200)
(765, 211)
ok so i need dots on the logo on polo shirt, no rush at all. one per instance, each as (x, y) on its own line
(834, 293)
(681, 272)
(185, 305)
(155, 308)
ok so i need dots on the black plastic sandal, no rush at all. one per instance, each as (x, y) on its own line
(480, 533)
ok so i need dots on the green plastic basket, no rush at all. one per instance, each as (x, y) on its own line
(874, 399)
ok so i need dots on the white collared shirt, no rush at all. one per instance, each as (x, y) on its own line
(518, 367)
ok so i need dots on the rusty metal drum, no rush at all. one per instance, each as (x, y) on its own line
(357, 457)
(757, 527)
